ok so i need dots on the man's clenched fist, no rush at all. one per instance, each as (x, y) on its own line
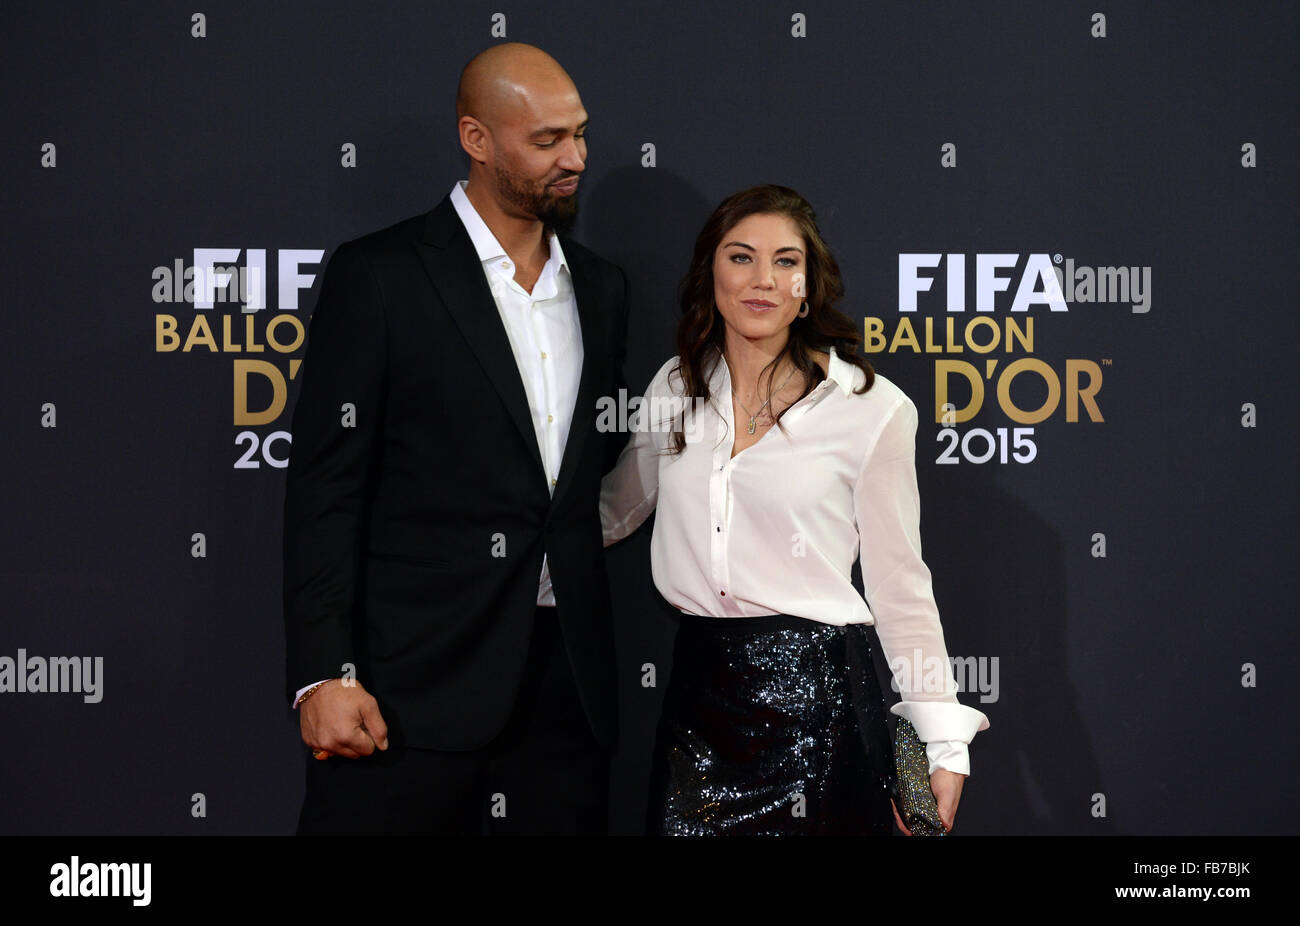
(343, 720)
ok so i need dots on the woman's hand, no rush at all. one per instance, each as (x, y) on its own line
(899, 820)
(946, 787)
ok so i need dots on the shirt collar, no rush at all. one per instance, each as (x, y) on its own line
(843, 373)
(485, 243)
(839, 372)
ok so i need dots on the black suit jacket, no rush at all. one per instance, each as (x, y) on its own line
(415, 466)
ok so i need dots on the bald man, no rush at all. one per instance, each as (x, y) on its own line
(447, 612)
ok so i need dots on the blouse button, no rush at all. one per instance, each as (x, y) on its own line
(724, 594)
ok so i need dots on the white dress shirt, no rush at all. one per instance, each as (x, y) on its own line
(546, 338)
(776, 529)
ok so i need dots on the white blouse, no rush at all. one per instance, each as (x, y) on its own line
(776, 529)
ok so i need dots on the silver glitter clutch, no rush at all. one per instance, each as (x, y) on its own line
(917, 806)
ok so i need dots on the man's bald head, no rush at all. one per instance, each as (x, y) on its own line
(523, 126)
(498, 82)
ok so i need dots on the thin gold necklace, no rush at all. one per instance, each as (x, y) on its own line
(752, 416)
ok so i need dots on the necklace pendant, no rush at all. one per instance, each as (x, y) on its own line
(751, 426)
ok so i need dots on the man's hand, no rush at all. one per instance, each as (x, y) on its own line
(343, 720)
(946, 788)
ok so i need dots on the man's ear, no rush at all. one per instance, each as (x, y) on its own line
(474, 138)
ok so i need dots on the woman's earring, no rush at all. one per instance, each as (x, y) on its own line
(803, 313)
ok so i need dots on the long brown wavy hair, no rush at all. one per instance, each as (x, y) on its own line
(702, 328)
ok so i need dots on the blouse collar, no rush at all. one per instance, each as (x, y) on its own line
(839, 372)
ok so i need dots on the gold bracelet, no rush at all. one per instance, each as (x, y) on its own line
(311, 691)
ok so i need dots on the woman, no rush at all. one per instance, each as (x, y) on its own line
(773, 453)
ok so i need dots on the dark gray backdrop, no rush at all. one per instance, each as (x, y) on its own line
(1118, 676)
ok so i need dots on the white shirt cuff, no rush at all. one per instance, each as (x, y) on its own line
(948, 754)
(302, 691)
(945, 728)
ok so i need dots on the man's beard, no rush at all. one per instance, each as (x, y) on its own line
(553, 210)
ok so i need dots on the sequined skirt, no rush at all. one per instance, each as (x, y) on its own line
(771, 725)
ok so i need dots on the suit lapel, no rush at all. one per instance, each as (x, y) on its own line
(586, 295)
(453, 266)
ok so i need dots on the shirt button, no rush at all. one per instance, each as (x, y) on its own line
(718, 528)
(543, 355)
(724, 594)
(550, 418)
(552, 482)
